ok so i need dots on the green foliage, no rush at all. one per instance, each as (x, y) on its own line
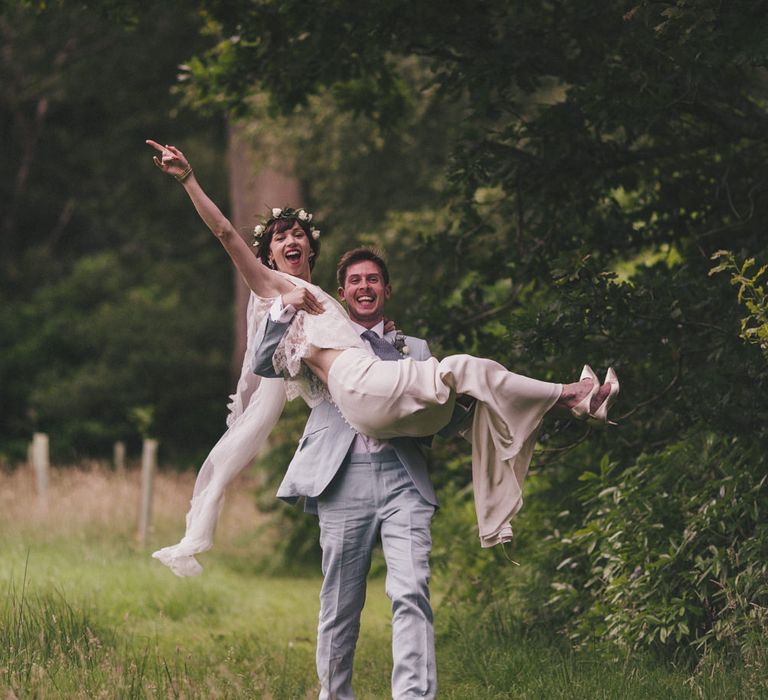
(102, 308)
(550, 183)
(670, 554)
(336, 151)
(752, 294)
(491, 647)
(593, 156)
(101, 344)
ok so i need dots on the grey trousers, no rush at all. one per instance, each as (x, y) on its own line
(372, 495)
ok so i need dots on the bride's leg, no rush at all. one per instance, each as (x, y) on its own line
(489, 376)
(518, 403)
(319, 361)
(507, 417)
(389, 399)
(385, 399)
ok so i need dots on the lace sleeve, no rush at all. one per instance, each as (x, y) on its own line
(330, 329)
(254, 409)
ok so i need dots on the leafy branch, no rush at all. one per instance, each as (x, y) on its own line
(752, 294)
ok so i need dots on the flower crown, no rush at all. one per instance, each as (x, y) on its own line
(284, 213)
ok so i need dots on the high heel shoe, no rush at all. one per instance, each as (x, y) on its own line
(581, 410)
(600, 415)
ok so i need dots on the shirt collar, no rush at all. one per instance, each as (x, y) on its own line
(378, 328)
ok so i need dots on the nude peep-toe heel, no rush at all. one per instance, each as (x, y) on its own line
(600, 416)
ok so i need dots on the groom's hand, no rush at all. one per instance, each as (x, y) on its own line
(302, 299)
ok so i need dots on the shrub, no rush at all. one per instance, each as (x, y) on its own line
(671, 554)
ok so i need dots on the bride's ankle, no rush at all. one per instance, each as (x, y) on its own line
(571, 394)
(599, 397)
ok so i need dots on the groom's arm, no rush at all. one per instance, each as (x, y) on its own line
(275, 324)
(273, 327)
(273, 333)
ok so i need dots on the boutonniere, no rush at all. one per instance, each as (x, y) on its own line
(400, 345)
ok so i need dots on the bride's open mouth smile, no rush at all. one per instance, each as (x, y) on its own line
(294, 256)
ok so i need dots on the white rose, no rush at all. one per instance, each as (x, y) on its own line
(276, 212)
(303, 215)
(258, 230)
(405, 350)
(315, 233)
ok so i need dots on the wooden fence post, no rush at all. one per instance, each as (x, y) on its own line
(41, 464)
(148, 466)
(119, 456)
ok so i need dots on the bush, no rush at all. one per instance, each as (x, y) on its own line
(671, 554)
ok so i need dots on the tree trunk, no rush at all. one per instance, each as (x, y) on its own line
(252, 190)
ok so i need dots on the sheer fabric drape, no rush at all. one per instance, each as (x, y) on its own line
(254, 409)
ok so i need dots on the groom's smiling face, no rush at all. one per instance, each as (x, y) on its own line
(365, 292)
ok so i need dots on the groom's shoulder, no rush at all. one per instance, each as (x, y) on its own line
(419, 348)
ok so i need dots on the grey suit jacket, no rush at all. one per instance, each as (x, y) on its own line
(327, 436)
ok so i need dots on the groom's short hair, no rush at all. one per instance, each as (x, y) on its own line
(357, 255)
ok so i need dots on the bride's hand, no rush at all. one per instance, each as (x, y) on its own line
(303, 300)
(171, 160)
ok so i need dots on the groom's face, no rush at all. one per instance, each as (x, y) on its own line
(364, 292)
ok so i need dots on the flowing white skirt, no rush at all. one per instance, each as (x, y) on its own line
(410, 398)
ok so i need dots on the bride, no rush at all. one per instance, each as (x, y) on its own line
(322, 357)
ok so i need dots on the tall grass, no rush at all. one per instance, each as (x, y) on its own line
(97, 502)
(86, 613)
(51, 648)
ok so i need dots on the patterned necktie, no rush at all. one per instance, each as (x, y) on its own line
(380, 346)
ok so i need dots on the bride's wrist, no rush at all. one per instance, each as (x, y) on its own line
(184, 175)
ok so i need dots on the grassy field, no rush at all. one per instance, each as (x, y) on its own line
(87, 613)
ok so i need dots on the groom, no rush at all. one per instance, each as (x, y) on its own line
(361, 489)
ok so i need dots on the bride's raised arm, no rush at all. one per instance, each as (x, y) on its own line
(263, 281)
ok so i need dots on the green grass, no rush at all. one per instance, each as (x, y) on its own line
(91, 620)
(482, 657)
(86, 614)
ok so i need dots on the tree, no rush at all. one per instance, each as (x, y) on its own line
(552, 181)
(605, 151)
(101, 306)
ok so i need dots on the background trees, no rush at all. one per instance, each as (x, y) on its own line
(101, 311)
(549, 183)
(599, 154)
